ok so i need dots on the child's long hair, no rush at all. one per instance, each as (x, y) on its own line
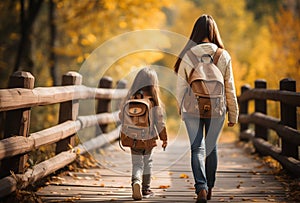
(145, 80)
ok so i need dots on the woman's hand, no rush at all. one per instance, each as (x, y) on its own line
(230, 124)
(164, 144)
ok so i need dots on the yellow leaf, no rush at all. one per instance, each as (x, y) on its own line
(183, 175)
(71, 167)
(246, 199)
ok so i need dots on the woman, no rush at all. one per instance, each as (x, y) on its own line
(205, 39)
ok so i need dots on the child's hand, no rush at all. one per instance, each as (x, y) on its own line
(164, 144)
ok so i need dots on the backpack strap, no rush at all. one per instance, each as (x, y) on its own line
(194, 60)
(193, 57)
(217, 55)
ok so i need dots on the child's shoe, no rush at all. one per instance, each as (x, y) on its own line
(136, 191)
(147, 193)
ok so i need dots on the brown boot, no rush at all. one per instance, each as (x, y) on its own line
(202, 196)
(209, 193)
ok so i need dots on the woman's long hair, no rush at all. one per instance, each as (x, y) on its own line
(204, 27)
(147, 81)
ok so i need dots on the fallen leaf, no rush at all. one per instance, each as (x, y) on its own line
(83, 170)
(260, 166)
(71, 167)
(164, 186)
(72, 174)
(183, 175)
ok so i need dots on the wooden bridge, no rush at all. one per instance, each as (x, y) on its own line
(241, 176)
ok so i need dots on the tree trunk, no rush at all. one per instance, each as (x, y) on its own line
(28, 16)
(52, 56)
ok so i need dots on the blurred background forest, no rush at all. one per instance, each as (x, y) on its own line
(51, 37)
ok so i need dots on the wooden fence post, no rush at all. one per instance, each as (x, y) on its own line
(288, 117)
(17, 123)
(104, 104)
(261, 106)
(121, 84)
(68, 110)
(244, 109)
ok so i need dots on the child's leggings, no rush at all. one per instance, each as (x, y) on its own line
(141, 167)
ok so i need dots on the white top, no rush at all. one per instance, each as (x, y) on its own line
(224, 64)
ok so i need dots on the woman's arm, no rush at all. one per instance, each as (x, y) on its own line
(231, 99)
(182, 85)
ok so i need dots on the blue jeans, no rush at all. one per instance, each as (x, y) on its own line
(204, 149)
(141, 167)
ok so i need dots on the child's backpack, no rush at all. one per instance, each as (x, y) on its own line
(206, 97)
(137, 123)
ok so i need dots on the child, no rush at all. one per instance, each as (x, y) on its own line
(145, 85)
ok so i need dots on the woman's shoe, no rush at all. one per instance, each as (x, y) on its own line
(202, 196)
(209, 193)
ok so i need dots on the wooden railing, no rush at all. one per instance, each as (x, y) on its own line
(287, 150)
(17, 101)
(21, 97)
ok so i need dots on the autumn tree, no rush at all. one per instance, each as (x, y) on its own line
(84, 26)
(285, 35)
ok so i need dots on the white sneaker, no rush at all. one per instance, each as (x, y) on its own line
(136, 191)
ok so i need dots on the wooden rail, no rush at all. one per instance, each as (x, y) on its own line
(17, 102)
(287, 151)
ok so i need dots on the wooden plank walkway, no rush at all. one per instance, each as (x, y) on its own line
(240, 178)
